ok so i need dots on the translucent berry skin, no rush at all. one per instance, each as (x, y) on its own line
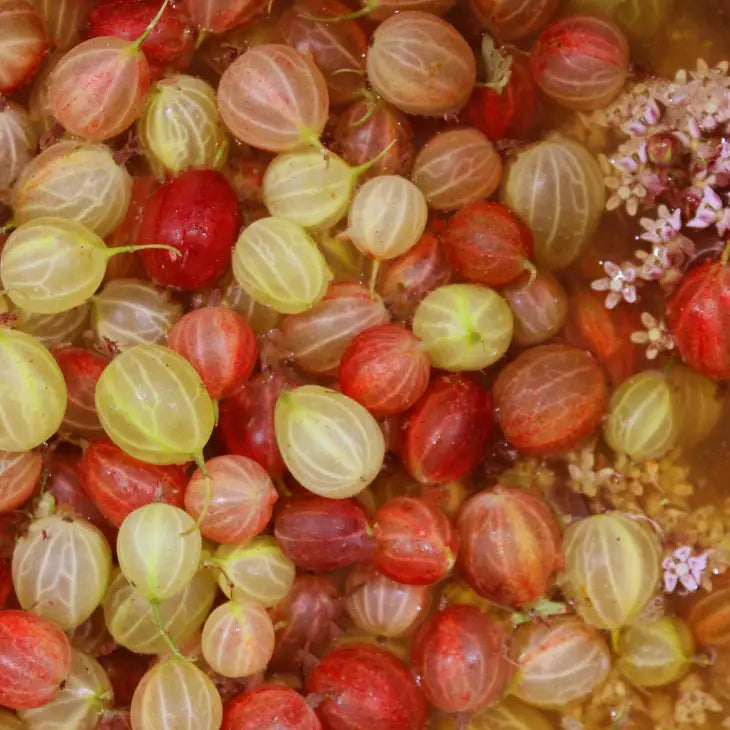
(511, 113)
(19, 473)
(385, 369)
(324, 534)
(416, 544)
(270, 706)
(446, 432)
(23, 43)
(197, 213)
(698, 314)
(509, 20)
(305, 621)
(606, 333)
(119, 484)
(35, 659)
(487, 244)
(550, 399)
(220, 344)
(171, 43)
(246, 422)
(581, 61)
(407, 279)
(460, 656)
(511, 545)
(709, 618)
(365, 686)
(361, 136)
(81, 369)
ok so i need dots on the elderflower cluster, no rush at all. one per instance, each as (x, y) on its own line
(673, 166)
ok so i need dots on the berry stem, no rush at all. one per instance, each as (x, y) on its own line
(374, 276)
(163, 633)
(151, 26)
(360, 169)
(131, 249)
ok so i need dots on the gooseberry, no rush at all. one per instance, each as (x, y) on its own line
(611, 568)
(697, 314)
(421, 64)
(221, 331)
(511, 20)
(643, 417)
(487, 244)
(19, 473)
(324, 534)
(463, 326)
(539, 306)
(457, 167)
(329, 442)
(655, 653)
(197, 214)
(537, 186)
(697, 394)
(277, 263)
(23, 43)
(35, 660)
(363, 683)
(18, 141)
(709, 618)
(275, 98)
(118, 483)
(511, 545)
(581, 62)
(270, 705)
(234, 501)
(550, 399)
(558, 662)
(318, 338)
(446, 432)
(460, 656)
(378, 133)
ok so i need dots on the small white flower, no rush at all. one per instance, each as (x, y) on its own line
(666, 226)
(620, 283)
(655, 335)
(684, 569)
(708, 211)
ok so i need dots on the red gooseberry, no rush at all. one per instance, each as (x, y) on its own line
(487, 244)
(460, 656)
(171, 43)
(246, 423)
(385, 369)
(305, 621)
(581, 62)
(6, 582)
(19, 473)
(511, 112)
(698, 313)
(709, 618)
(510, 545)
(550, 399)
(236, 499)
(23, 43)
(120, 484)
(513, 19)
(81, 370)
(404, 281)
(324, 534)
(338, 49)
(416, 544)
(365, 131)
(220, 344)
(35, 660)
(197, 213)
(318, 337)
(270, 706)
(219, 16)
(66, 485)
(604, 332)
(447, 430)
(366, 686)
